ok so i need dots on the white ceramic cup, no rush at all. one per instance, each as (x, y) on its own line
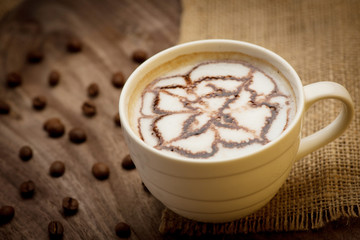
(228, 189)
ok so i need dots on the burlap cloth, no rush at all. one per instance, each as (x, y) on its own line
(321, 40)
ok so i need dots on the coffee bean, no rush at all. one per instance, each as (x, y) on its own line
(54, 78)
(74, 45)
(57, 169)
(117, 120)
(13, 79)
(118, 80)
(139, 56)
(127, 163)
(55, 230)
(27, 189)
(122, 230)
(93, 90)
(25, 153)
(101, 171)
(77, 135)
(49, 122)
(56, 130)
(4, 107)
(54, 127)
(6, 214)
(39, 102)
(35, 56)
(70, 206)
(88, 109)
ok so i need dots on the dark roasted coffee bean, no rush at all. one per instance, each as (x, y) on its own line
(54, 127)
(139, 56)
(118, 80)
(35, 56)
(77, 135)
(127, 163)
(54, 78)
(57, 169)
(70, 206)
(4, 107)
(25, 153)
(56, 130)
(27, 189)
(49, 122)
(117, 120)
(122, 230)
(6, 214)
(101, 171)
(39, 102)
(55, 230)
(13, 79)
(74, 45)
(88, 109)
(93, 90)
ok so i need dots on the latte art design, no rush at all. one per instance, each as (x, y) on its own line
(220, 106)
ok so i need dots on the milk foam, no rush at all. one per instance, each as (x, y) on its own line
(215, 109)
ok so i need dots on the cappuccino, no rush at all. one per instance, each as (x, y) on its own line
(212, 106)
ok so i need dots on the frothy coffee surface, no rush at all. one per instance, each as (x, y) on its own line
(214, 108)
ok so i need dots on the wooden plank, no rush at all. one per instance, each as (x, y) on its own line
(110, 32)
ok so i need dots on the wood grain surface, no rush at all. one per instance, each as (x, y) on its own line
(110, 31)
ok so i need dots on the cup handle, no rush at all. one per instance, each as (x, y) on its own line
(319, 91)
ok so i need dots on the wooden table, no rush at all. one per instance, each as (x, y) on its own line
(110, 31)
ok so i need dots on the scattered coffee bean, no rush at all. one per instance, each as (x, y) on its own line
(117, 120)
(57, 169)
(35, 56)
(122, 230)
(39, 102)
(118, 80)
(93, 90)
(101, 171)
(56, 130)
(77, 135)
(70, 206)
(139, 56)
(55, 230)
(74, 45)
(54, 127)
(49, 122)
(25, 153)
(27, 189)
(127, 163)
(89, 109)
(4, 107)
(6, 214)
(13, 79)
(54, 78)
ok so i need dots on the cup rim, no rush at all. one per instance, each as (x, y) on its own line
(299, 96)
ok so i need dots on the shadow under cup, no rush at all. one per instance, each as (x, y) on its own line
(214, 190)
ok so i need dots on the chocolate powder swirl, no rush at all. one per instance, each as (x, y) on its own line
(201, 106)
